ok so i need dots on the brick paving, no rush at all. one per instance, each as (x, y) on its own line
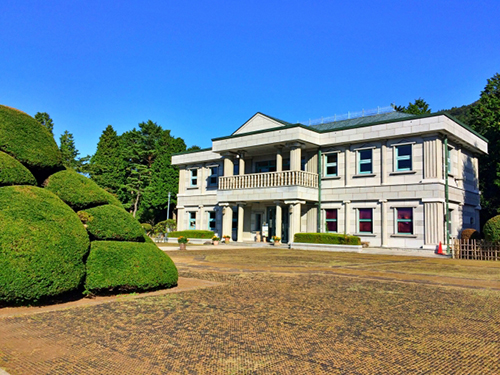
(277, 312)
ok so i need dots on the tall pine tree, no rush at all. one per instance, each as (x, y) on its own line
(107, 166)
(68, 150)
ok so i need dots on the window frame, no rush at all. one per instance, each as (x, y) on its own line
(359, 220)
(397, 221)
(364, 161)
(210, 220)
(398, 158)
(193, 176)
(336, 220)
(213, 176)
(331, 164)
(192, 220)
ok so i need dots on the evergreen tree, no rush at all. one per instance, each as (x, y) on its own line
(68, 150)
(485, 119)
(419, 107)
(107, 167)
(44, 119)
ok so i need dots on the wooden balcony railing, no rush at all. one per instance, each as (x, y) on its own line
(269, 179)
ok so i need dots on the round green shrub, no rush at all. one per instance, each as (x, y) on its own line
(470, 233)
(128, 266)
(147, 227)
(78, 191)
(42, 245)
(24, 138)
(491, 229)
(13, 172)
(112, 223)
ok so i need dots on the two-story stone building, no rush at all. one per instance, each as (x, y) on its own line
(384, 178)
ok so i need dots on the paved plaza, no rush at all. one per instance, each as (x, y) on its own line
(274, 311)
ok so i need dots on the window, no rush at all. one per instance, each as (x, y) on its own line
(194, 177)
(365, 220)
(211, 220)
(404, 220)
(331, 220)
(450, 164)
(365, 161)
(331, 164)
(192, 220)
(265, 166)
(403, 158)
(214, 174)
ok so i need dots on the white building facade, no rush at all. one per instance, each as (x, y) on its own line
(382, 178)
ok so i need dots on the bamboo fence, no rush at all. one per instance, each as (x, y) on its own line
(475, 249)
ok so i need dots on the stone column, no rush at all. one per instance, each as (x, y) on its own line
(278, 219)
(241, 218)
(347, 162)
(295, 207)
(242, 165)
(434, 222)
(182, 180)
(200, 217)
(347, 217)
(433, 159)
(279, 161)
(384, 221)
(383, 165)
(295, 157)
(228, 166)
(180, 217)
(227, 219)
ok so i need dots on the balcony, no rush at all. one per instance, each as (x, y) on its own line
(269, 180)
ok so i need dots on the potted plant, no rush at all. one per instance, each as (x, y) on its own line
(276, 240)
(182, 241)
(226, 238)
(215, 240)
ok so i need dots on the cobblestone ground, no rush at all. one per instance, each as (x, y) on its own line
(278, 312)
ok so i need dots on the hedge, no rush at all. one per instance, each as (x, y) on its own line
(24, 138)
(470, 233)
(111, 223)
(491, 229)
(13, 172)
(192, 234)
(78, 191)
(42, 245)
(114, 267)
(327, 238)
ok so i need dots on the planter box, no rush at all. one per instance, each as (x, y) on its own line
(326, 247)
(192, 241)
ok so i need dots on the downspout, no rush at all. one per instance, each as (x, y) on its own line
(446, 193)
(318, 220)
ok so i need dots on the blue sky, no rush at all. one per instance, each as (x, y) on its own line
(202, 68)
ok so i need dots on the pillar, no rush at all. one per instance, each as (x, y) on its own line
(227, 220)
(228, 166)
(295, 216)
(180, 218)
(383, 165)
(347, 166)
(182, 180)
(200, 217)
(434, 222)
(241, 218)
(278, 219)
(242, 165)
(347, 217)
(384, 222)
(295, 157)
(279, 161)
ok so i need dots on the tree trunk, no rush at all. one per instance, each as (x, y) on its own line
(136, 204)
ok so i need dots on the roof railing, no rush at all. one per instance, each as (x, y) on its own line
(349, 115)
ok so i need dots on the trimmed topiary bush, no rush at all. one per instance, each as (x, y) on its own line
(471, 234)
(22, 137)
(491, 229)
(111, 223)
(208, 234)
(14, 173)
(128, 266)
(147, 227)
(78, 191)
(327, 238)
(42, 245)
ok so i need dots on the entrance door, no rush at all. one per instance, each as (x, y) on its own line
(271, 220)
(284, 225)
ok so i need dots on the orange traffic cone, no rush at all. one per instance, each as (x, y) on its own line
(440, 248)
